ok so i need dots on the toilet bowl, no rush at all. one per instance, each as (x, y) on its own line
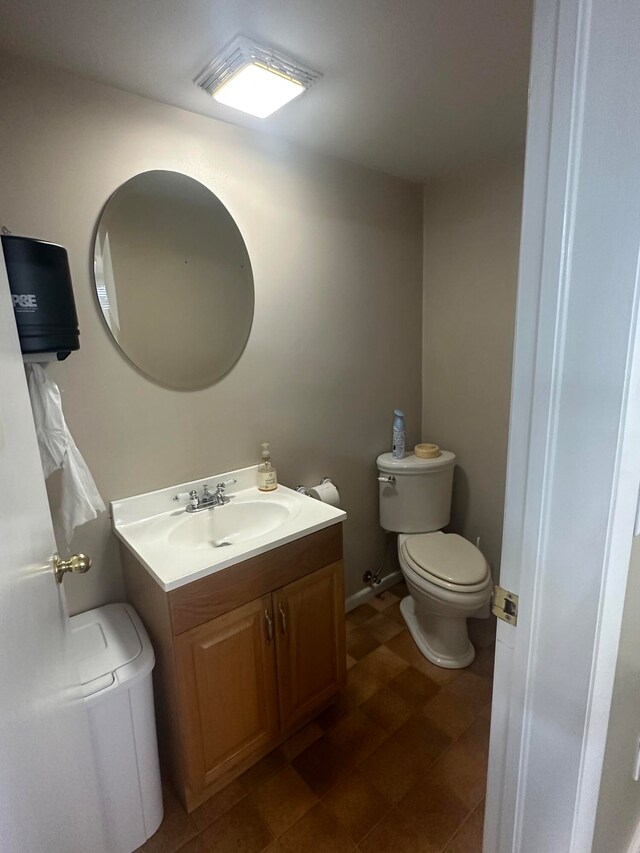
(448, 578)
(448, 581)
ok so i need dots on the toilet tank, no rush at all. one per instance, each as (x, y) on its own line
(418, 498)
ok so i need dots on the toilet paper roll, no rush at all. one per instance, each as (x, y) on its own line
(326, 492)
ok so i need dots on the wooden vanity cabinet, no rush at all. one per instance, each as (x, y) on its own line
(227, 670)
(244, 657)
(309, 643)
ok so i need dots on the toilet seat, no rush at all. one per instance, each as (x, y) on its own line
(445, 560)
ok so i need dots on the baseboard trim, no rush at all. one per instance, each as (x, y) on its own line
(369, 592)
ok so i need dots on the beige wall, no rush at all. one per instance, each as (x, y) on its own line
(471, 240)
(618, 812)
(335, 345)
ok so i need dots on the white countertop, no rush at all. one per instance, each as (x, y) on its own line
(177, 547)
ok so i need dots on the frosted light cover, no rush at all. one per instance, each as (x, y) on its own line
(258, 91)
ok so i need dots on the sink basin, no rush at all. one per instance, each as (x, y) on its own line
(232, 524)
(177, 547)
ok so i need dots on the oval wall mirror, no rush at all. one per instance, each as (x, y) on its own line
(173, 279)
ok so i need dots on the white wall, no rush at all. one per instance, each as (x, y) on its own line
(336, 339)
(471, 240)
(618, 813)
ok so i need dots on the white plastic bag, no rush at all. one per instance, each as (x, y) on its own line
(81, 501)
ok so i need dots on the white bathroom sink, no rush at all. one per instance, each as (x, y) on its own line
(235, 523)
(177, 547)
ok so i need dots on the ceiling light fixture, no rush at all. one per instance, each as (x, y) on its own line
(254, 79)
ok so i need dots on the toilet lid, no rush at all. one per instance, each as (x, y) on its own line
(446, 556)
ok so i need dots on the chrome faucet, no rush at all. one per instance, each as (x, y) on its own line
(220, 498)
(207, 500)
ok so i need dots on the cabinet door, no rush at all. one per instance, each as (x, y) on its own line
(227, 681)
(310, 642)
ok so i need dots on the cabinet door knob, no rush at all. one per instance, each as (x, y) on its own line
(269, 621)
(283, 618)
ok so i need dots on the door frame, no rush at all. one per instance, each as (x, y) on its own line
(573, 472)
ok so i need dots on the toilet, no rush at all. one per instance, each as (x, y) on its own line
(448, 578)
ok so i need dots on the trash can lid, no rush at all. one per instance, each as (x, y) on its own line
(103, 641)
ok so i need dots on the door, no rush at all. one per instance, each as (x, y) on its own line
(227, 684)
(49, 799)
(574, 462)
(310, 642)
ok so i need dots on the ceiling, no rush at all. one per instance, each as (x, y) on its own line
(414, 88)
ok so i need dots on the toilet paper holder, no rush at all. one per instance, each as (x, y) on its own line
(305, 491)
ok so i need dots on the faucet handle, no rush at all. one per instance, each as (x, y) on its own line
(222, 486)
(194, 499)
(221, 498)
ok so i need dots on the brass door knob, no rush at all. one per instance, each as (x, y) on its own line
(78, 564)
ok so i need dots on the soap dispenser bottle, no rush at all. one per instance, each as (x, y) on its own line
(267, 480)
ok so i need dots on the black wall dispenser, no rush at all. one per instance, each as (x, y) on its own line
(42, 295)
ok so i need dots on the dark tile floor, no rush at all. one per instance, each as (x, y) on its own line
(396, 765)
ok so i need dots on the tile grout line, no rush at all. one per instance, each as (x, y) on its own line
(458, 828)
(420, 780)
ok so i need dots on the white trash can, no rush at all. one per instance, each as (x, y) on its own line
(116, 659)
